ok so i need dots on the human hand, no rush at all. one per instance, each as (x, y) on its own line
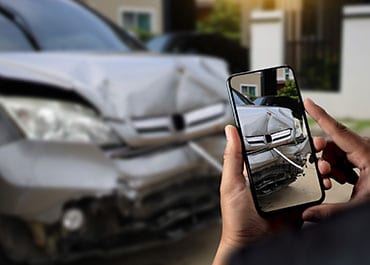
(343, 152)
(241, 224)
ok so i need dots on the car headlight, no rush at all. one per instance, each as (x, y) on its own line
(53, 120)
(298, 128)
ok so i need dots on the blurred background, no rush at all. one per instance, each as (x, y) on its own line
(115, 109)
(322, 40)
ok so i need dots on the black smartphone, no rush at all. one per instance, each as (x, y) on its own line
(276, 141)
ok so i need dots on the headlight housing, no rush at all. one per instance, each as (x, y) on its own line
(53, 120)
(298, 128)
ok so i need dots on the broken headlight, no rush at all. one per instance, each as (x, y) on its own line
(53, 120)
(298, 128)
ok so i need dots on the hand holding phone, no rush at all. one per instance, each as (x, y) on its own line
(276, 141)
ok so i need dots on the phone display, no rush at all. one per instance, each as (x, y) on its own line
(277, 145)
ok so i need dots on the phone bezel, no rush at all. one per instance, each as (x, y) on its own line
(245, 157)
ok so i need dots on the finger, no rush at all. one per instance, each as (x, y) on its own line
(324, 211)
(319, 143)
(232, 172)
(324, 167)
(327, 183)
(344, 138)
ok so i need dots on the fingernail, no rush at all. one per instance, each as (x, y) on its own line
(227, 132)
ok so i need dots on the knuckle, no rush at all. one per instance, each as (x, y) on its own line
(339, 126)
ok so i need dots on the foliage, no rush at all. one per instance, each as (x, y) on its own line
(320, 73)
(143, 35)
(250, 96)
(289, 89)
(224, 19)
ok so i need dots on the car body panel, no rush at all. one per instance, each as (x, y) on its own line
(99, 78)
(62, 172)
(259, 121)
(51, 173)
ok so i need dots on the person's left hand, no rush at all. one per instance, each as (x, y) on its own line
(241, 224)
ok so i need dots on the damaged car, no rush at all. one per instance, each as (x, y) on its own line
(104, 147)
(275, 142)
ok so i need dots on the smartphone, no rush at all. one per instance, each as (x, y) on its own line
(276, 141)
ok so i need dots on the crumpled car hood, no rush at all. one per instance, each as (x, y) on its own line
(257, 120)
(130, 87)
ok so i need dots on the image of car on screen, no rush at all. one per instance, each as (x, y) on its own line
(276, 144)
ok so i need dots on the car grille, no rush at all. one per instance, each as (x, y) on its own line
(179, 122)
(273, 138)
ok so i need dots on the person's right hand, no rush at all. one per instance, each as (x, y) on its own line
(343, 152)
(241, 224)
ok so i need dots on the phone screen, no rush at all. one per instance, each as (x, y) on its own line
(277, 146)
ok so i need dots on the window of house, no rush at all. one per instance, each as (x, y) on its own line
(247, 89)
(312, 18)
(141, 20)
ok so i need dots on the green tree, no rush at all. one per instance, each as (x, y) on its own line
(289, 89)
(224, 19)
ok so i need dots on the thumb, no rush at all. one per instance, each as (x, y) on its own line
(232, 173)
(324, 211)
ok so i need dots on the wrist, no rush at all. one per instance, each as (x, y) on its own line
(224, 252)
(227, 247)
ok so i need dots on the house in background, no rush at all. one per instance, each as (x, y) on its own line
(313, 31)
(148, 16)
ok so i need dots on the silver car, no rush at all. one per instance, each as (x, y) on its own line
(103, 146)
(276, 144)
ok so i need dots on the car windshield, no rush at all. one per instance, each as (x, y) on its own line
(258, 101)
(158, 43)
(67, 26)
(12, 38)
(241, 100)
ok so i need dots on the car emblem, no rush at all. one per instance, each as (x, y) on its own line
(268, 138)
(178, 122)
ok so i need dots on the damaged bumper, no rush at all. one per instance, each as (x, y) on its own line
(125, 199)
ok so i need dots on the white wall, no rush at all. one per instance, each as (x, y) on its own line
(267, 39)
(353, 99)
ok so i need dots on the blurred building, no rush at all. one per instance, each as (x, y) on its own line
(149, 16)
(312, 36)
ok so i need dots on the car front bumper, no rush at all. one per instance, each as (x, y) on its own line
(38, 179)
